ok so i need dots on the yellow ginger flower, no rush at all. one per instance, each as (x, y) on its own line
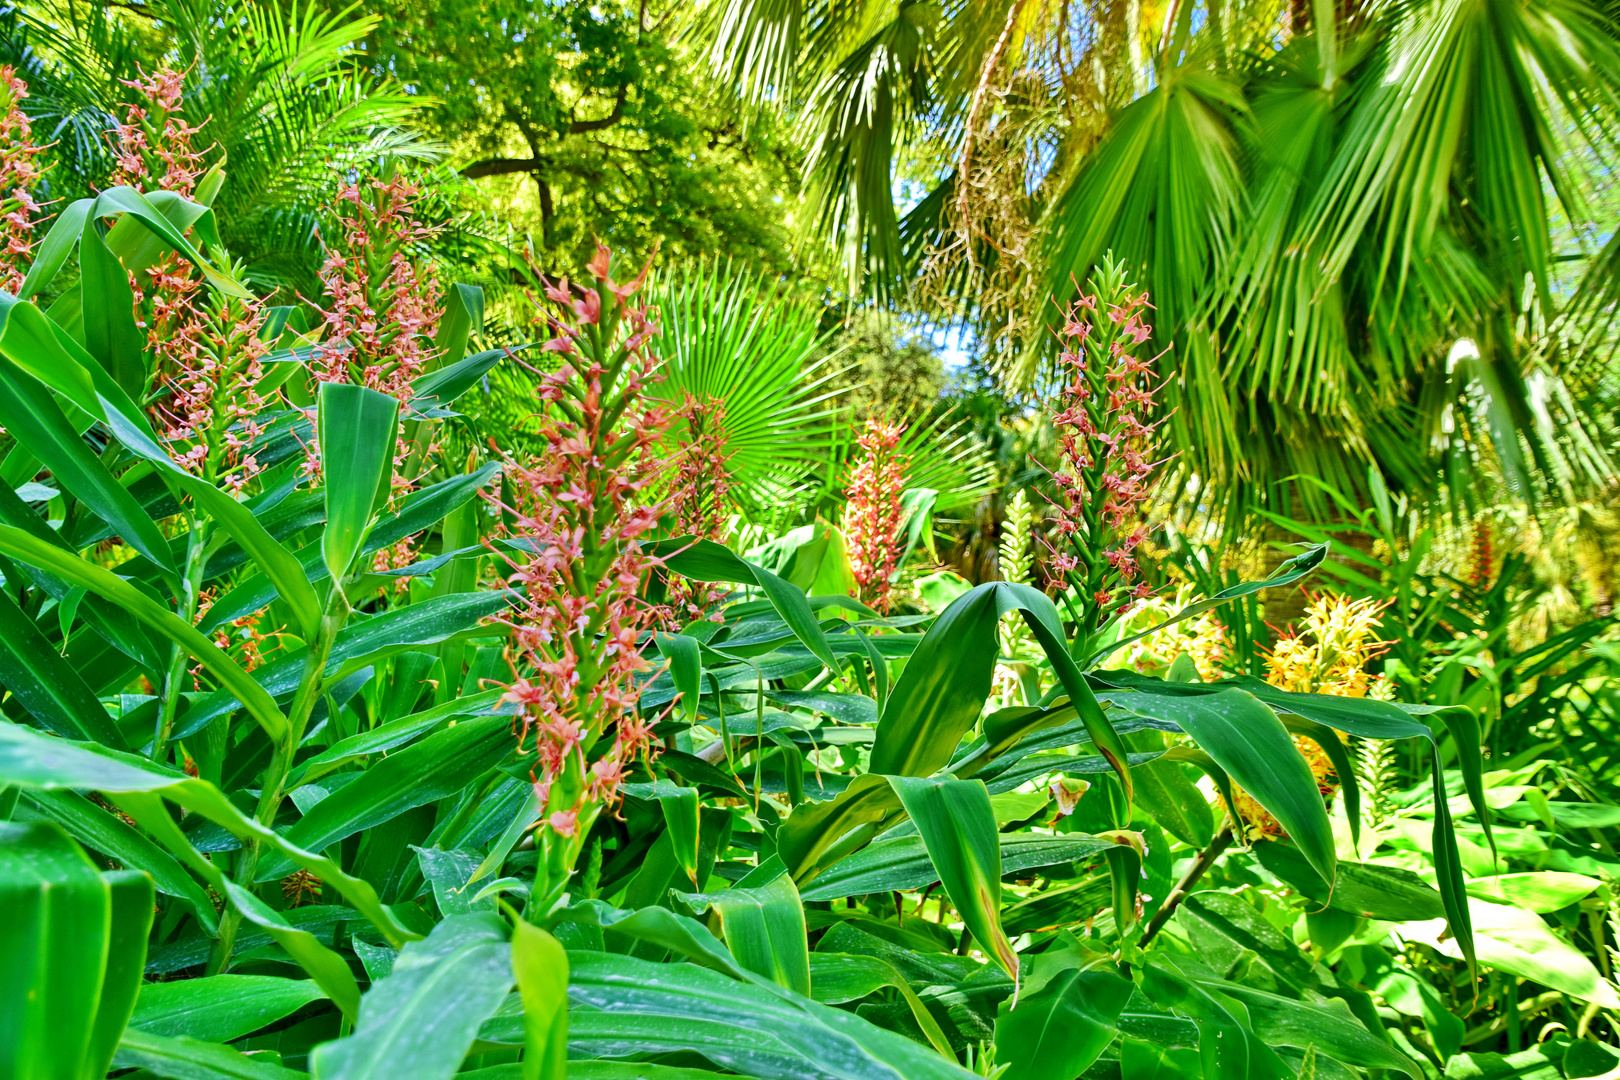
(1328, 657)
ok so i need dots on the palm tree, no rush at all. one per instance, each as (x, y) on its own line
(1341, 209)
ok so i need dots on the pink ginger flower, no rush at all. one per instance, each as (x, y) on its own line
(1107, 448)
(204, 399)
(383, 300)
(576, 663)
(152, 150)
(382, 310)
(872, 513)
(18, 175)
(699, 504)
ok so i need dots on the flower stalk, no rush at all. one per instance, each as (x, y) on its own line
(579, 511)
(873, 514)
(1107, 445)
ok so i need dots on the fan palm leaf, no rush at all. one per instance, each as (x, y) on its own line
(733, 335)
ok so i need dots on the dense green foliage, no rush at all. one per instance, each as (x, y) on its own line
(432, 644)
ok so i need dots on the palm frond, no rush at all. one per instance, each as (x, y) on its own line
(732, 334)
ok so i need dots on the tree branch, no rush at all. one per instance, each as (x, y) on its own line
(1184, 887)
(579, 126)
(501, 166)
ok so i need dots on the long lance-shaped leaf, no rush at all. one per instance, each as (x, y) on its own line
(1058, 1031)
(945, 684)
(130, 927)
(764, 928)
(329, 970)
(1369, 719)
(102, 831)
(840, 977)
(50, 688)
(108, 620)
(53, 950)
(435, 768)
(705, 560)
(110, 332)
(31, 760)
(219, 1008)
(192, 1059)
(30, 549)
(540, 965)
(685, 656)
(1249, 742)
(357, 430)
(420, 1021)
(958, 826)
(809, 840)
(39, 347)
(420, 510)
(1288, 573)
(68, 229)
(38, 424)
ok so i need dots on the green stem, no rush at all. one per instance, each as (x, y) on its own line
(281, 761)
(191, 590)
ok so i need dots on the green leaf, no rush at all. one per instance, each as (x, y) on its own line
(837, 978)
(683, 819)
(259, 704)
(1521, 943)
(220, 1008)
(659, 926)
(420, 510)
(540, 966)
(753, 1028)
(764, 928)
(1365, 889)
(809, 840)
(1058, 1031)
(440, 765)
(35, 761)
(449, 874)
(597, 1070)
(1163, 790)
(361, 643)
(1330, 1028)
(357, 433)
(1250, 744)
(901, 864)
(958, 826)
(685, 657)
(68, 228)
(108, 307)
(1544, 891)
(705, 560)
(131, 910)
(1227, 1046)
(1287, 573)
(945, 684)
(441, 387)
(47, 686)
(53, 950)
(329, 970)
(183, 1058)
(463, 318)
(405, 729)
(34, 419)
(420, 1021)
(39, 347)
(106, 832)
